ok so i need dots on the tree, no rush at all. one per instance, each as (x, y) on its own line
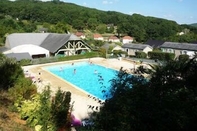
(61, 28)
(166, 101)
(44, 112)
(47, 112)
(101, 28)
(61, 110)
(92, 23)
(37, 110)
(11, 72)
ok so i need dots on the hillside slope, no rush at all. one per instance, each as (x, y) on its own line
(194, 24)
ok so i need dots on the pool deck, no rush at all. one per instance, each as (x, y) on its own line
(82, 103)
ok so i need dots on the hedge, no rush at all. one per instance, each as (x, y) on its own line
(183, 57)
(140, 54)
(164, 56)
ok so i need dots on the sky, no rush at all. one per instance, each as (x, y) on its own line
(181, 11)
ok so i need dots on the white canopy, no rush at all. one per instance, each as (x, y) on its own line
(31, 49)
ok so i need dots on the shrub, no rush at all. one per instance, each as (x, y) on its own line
(11, 71)
(44, 60)
(46, 113)
(119, 53)
(140, 54)
(164, 56)
(25, 62)
(183, 57)
(23, 88)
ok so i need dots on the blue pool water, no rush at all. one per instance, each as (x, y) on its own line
(92, 78)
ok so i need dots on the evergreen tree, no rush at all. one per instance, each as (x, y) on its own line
(61, 110)
(44, 112)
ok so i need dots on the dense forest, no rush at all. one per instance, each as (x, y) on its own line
(61, 17)
(194, 24)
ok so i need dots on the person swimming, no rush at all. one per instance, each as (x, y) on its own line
(95, 71)
(74, 71)
(61, 69)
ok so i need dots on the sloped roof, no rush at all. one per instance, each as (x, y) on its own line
(127, 38)
(97, 36)
(55, 41)
(107, 45)
(49, 41)
(180, 46)
(117, 48)
(155, 43)
(79, 34)
(3, 49)
(19, 56)
(136, 46)
(17, 39)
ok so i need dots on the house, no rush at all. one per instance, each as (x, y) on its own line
(154, 43)
(179, 48)
(108, 46)
(131, 48)
(127, 39)
(98, 37)
(39, 45)
(80, 35)
(110, 26)
(117, 48)
(113, 39)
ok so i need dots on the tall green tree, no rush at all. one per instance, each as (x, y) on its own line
(44, 111)
(101, 28)
(166, 101)
(11, 72)
(61, 110)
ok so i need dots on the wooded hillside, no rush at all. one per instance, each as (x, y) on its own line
(60, 17)
(195, 24)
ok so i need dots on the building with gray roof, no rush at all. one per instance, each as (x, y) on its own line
(19, 56)
(179, 48)
(44, 44)
(155, 43)
(131, 48)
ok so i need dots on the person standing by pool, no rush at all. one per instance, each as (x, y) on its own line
(39, 77)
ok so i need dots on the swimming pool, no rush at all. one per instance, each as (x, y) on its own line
(91, 78)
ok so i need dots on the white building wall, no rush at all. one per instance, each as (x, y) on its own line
(124, 41)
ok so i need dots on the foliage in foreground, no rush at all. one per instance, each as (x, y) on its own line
(48, 115)
(167, 101)
(61, 110)
(37, 109)
(11, 72)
